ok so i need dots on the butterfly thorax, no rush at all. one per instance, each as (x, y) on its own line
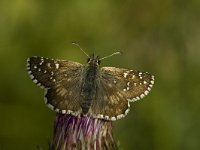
(89, 84)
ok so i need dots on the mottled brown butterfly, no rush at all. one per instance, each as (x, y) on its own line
(74, 88)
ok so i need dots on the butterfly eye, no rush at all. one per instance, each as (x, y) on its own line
(98, 62)
(88, 60)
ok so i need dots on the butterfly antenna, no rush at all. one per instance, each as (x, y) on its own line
(74, 43)
(116, 53)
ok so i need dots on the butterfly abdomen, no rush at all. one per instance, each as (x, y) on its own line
(88, 90)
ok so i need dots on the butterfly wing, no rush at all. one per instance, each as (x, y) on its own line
(61, 80)
(65, 98)
(118, 87)
(110, 103)
(134, 84)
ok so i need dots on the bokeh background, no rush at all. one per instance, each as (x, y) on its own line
(161, 37)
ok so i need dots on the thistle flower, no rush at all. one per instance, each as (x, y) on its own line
(82, 133)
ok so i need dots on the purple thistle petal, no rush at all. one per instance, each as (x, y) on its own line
(81, 132)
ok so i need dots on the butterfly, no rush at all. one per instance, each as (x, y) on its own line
(86, 89)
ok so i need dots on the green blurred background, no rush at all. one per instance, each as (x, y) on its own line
(161, 37)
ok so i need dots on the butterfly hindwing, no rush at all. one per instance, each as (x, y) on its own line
(65, 96)
(110, 102)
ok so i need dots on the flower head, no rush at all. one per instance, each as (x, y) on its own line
(82, 132)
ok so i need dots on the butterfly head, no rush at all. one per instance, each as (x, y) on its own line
(94, 60)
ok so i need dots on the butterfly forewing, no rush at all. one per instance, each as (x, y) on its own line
(61, 80)
(134, 84)
(47, 72)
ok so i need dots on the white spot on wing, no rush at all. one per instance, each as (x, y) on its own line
(41, 86)
(132, 100)
(69, 112)
(146, 92)
(50, 106)
(125, 74)
(57, 110)
(113, 118)
(57, 66)
(100, 116)
(45, 93)
(28, 60)
(48, 65)
(128, 104)
(126, 112)
(149, 89)
(63, 111)
(138, 98)
(107, 117)
(142, 95)
(120, 116)
(35, 81)
(45, 100)
(152, 77)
